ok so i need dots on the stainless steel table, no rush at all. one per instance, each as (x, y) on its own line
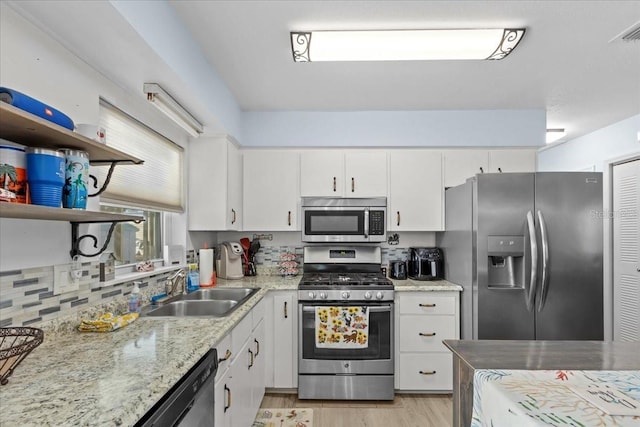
(470, 355)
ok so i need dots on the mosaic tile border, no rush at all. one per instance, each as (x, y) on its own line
(26, 296)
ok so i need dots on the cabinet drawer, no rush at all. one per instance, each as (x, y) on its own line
(426, 303)
(240, 334)
(425, 333)
(257, 313)
(222, 347)
(436, 368)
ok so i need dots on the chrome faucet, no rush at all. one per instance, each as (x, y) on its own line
(175, 283)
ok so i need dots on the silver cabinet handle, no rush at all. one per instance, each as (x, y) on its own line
(286, 315)
(289, 219)
(353, 184)
(530, 286)
(233, 211)
(251, 359)
(257, 346)
(398, 218)
(545, 262)
(334, 184)
(427, 372)
(427, 305)
(427, 334)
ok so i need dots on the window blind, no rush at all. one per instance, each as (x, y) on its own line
(156, 184)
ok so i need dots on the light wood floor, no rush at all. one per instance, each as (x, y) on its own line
(406, 410)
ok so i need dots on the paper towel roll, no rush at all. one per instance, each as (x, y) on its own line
(206, 267)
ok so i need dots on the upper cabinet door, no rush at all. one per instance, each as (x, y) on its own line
(415, 190)
(512, 160)
(271, 190)
(321, 173)
(234, 188)
(365, 173)
(215, 185)
(459, 165)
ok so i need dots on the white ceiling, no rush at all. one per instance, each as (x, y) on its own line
(565, 63)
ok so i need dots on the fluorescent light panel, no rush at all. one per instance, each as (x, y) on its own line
(554, 135)
(404, 45)
(172, 109)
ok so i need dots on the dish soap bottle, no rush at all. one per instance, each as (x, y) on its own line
(135, 301)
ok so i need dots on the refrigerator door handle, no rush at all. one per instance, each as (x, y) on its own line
(545, 263)
(530, 290)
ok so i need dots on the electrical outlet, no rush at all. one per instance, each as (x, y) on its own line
(63, 279)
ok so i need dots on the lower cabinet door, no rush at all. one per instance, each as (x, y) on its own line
(223, 399)
(241, 381)
(426, 371)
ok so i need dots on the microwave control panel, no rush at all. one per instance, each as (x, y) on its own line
(376, 223)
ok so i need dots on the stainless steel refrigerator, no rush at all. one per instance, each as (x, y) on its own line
(527, 249)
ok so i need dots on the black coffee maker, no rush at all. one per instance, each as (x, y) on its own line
(425, 263)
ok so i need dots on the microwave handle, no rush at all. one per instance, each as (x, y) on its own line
(366, 223)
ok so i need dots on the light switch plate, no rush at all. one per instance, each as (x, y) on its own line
(63, 281)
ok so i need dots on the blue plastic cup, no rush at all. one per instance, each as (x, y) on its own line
(45, 175)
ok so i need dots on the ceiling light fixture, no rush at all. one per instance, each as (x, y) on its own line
(404, 45)
(169, 106)
(554, 135)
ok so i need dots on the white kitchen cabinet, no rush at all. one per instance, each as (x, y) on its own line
(222, 402)
(282, 338)
(423, 320)
(462, 164)
(416, 192)
(215, 185)
(271, 190)
(512, 160)
(257, 369)
(240, 380)
(366, 173)
(322, 173)
(343, 173)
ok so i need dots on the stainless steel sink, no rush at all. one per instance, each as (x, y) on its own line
(234, 294)
(209, 308)
(217, 302)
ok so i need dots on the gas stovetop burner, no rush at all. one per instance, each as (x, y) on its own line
(347, 273)
(344, 279)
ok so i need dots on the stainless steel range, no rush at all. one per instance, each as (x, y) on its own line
(345, 335)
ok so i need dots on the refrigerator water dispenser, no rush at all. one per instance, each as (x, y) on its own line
(505, 262)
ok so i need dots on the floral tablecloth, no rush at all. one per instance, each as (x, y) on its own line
(506, 398)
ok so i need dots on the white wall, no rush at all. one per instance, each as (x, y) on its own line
(395, 128)
(33, 63)
(594, 149)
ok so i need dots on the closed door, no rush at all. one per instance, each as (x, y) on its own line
(626, 251)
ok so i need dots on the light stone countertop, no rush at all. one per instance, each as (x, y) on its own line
(113, 379)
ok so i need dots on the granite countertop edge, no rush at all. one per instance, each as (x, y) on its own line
(114, 378)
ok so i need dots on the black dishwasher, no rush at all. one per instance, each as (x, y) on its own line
(191, 401)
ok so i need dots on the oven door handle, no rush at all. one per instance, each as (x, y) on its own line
(372, 309)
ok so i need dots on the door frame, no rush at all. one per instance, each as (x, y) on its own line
(607, 237)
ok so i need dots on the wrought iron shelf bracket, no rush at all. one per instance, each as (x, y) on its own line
(76, 238)
(107, 179)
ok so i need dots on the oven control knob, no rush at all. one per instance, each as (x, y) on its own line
(323, 295)
(368, 295)
(379, 295)
(345, 295)
(312, 295)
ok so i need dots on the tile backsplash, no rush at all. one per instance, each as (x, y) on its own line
(26, 296)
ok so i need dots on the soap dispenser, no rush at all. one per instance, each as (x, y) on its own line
(135, 300)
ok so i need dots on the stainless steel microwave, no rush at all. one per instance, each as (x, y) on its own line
(326, 219)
